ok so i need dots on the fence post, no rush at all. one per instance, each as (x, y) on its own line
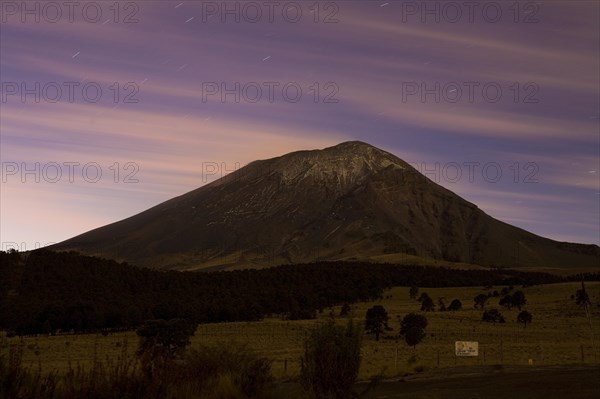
(438, 358)
(285, 366)
(396, 360)
(501, 353)
(582, 355)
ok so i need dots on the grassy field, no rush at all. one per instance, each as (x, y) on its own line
(560, 334)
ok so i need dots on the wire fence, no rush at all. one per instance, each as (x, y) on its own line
(283, 344)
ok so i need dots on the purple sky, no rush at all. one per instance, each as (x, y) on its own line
(533, 116)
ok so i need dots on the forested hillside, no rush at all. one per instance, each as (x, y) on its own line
(45, 291)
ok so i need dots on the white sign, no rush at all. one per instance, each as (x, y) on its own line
(466, 348)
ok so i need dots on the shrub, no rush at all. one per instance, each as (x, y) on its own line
(207, 373)
(345, 310)
(506, 302)
(413, 292)
(331, 360)
(480, 301)
(232, 366)
(493, 316)
(161, 341)
(455, 305)
(427, 304)
(442, 305)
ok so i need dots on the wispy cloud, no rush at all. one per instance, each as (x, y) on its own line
(369, 54)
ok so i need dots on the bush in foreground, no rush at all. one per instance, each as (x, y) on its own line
(331, 360)
(204, 373)
(161, 341)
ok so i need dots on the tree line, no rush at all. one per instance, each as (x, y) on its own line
(46, 292)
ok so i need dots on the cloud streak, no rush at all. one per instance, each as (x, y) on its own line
(370, 55)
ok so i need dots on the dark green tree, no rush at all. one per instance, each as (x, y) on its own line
(480, 301)
(427, 304)
(412, 328)
(412, 320)
(376, 321)
(506, 301)
(518, 299)
(455, 305)
(524, 317)
(442, 305)
(582, 298)
(413, 292)
(493, 316)
(414, 336)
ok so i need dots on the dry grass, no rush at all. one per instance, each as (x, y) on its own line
(556, 336)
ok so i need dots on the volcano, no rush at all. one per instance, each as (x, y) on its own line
(351, 201)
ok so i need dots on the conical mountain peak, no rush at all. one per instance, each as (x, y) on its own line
(351, 201)
(344, 164)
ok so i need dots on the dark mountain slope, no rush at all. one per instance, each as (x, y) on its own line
(348, 202)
